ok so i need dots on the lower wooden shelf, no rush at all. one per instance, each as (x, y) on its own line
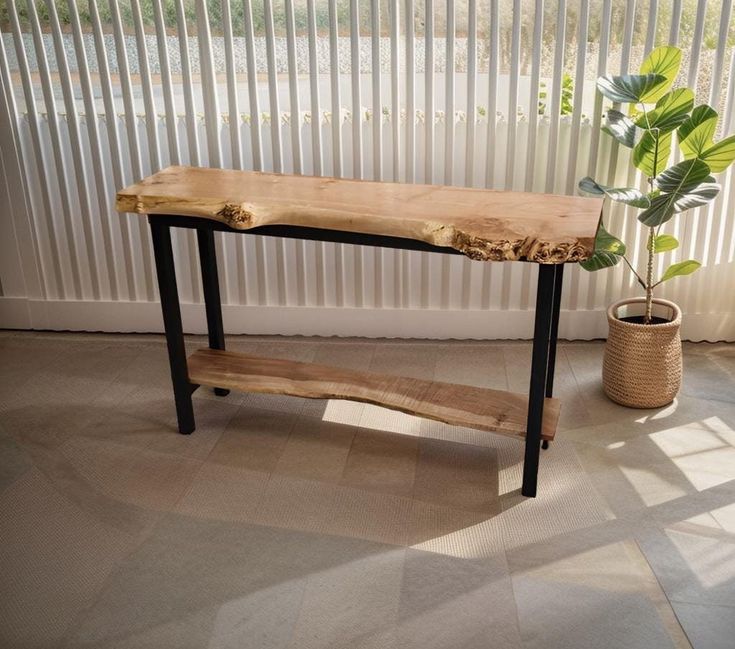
(497, 411)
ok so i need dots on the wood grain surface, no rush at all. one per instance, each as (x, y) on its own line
(483, 224)
(497, 411)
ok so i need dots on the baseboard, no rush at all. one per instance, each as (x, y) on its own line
(145, 317)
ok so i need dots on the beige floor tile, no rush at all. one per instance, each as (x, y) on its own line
(517, 362)
(566, 498)
(91, 462)
(58, 370)
(707, 377)
(353, 604)
(316, 450)
(383, 462)
(274, 402)
(402, 359)
(296, 504)
(138, 418)
(58, 404)
(224, 493)
(146, 418)
(585, 362)
(574, 413)
(454, 532)
(696, 566)
(706, 348)
(476, 364)
(14, 461)
(83, 480)
(200, 583)
(370, 516)
(355, 356)
(54, 558)
(146, 479)
(211, 420)
(725, 517)
(449, 602)
(296, 348)
(264, 618)
(254, 439)
(457, 475)
(663, 466)
(707, 627)
(686, 413)
(603, 596)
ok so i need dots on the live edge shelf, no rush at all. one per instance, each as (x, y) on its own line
(483, 225)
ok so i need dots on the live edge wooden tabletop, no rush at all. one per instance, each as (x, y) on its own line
(483, 224)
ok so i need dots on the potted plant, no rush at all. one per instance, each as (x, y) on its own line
(642, 361)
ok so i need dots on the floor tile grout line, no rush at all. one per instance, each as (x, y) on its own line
(513, 592)
(663, 591)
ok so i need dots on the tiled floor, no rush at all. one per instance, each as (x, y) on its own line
(287, 523)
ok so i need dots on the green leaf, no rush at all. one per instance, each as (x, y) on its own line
(699, 139)
(720, 156)
(665, 61)
(600, 260)
(671, 111)
(606, 242)
(664, 243)
(682, 176)
(699, 115)
(590, 186)
(644, 152)
(627, 195)
(629, 88)
(682, 189)
(663, 207)
(682, 268)
(621, 127)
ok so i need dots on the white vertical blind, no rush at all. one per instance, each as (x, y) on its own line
(483, 93)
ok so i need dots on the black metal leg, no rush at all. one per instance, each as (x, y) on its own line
(558, 277)
(212, 303)
(539, 367)
(166, 272)
(556, 307)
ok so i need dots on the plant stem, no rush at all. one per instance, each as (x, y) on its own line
(649, 278)
(649, 285)
(633, 270)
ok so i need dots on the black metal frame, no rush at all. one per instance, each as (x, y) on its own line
(546, 326)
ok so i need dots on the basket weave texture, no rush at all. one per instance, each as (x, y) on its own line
(642, 363)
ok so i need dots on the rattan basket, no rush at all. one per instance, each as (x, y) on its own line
(642, 363)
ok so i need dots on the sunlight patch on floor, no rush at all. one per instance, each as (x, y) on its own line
(652, 488)
(704, 458)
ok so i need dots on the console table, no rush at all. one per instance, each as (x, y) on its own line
(484, 225)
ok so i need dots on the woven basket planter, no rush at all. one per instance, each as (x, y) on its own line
(642, 362)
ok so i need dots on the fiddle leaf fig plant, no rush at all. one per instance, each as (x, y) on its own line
(658, 119)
